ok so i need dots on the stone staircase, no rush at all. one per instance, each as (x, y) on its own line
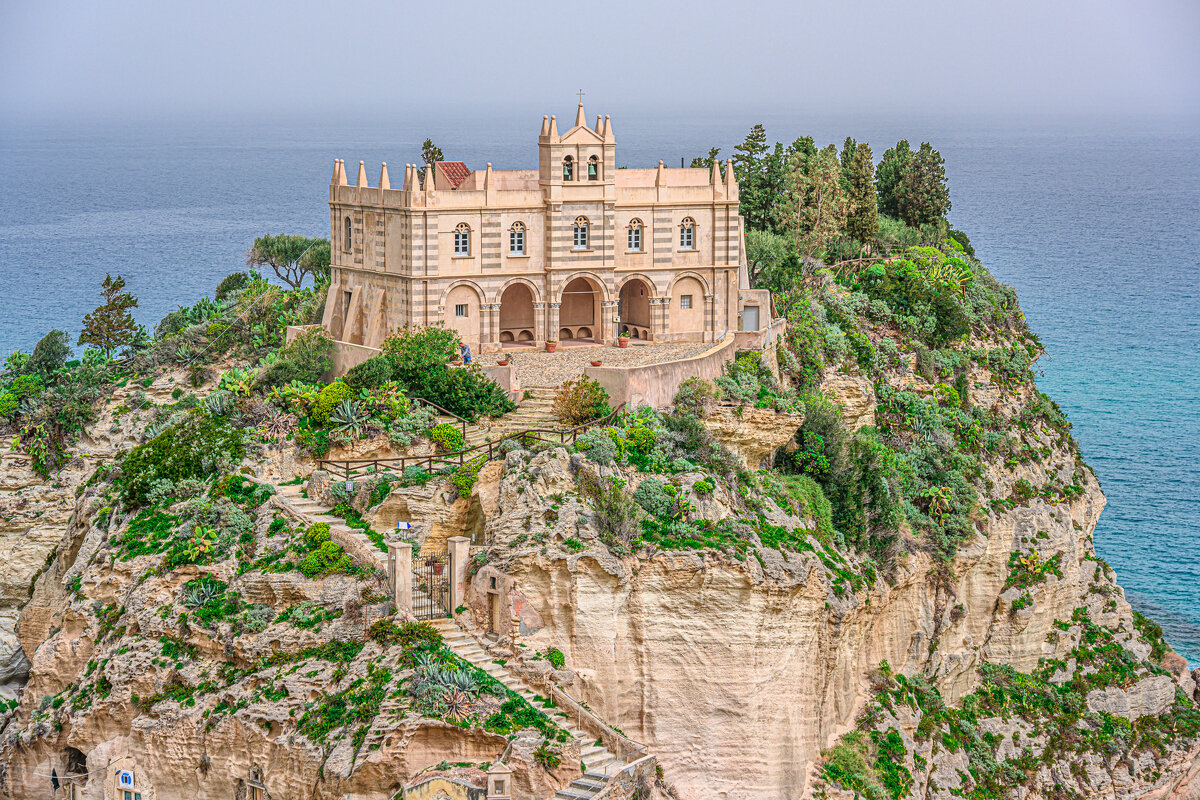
(533, 411)
(352, 540)
(598, 761)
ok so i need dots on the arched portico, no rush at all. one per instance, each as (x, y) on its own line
(634, 308)
(462, 312)
(580, 311)
(518, 323)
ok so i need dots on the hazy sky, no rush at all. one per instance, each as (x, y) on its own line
(162, 57)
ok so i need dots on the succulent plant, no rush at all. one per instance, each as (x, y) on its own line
(456, 704)
(349, 417)
(201, 594)
(219, 404)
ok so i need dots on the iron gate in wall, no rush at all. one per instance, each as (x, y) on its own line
(431, 589)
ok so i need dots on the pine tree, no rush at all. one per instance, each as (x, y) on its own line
(111, 325)
(706, 161)
(821, 217)
(863, 221)
(431, 153)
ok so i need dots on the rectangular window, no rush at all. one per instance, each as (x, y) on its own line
(516, 242)
(635, 239)
(581, 237)
(460, 310)
(462, 243)
(685, 301)
(686, 240)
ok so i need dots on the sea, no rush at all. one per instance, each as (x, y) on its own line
(1095, 221)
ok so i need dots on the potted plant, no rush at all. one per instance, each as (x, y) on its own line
(439, 567)
(596, 362)
(551, 345)
(623, 339)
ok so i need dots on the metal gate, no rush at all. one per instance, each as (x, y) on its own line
(431, 589)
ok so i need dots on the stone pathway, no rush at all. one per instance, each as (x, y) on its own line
(539, 368)
(598, 761)
(352, 540)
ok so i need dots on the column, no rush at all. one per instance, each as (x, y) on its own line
(460, 554)
(660, 318)
(552, 322)
(709, 318)
(608, 317)
(539, 324)
(400, 572)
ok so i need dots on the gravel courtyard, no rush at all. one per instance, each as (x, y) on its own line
(537, 368)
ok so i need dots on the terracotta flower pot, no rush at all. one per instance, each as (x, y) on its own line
(502, 362)
(595, 363)
(551, 347)
(438, 567)
(622, 341)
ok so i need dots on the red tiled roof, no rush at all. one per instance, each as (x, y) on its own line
(454, 171)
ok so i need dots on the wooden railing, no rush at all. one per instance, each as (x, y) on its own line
(462, 423)
(349, 469)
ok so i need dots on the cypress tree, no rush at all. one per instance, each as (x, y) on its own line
(849, 150)
(863, 222)
(887, 178)
(921, 194)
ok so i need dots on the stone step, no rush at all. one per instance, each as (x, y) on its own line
(598, 760)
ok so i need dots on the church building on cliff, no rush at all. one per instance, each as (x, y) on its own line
(576, 250)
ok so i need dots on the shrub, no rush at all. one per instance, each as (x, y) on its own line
(694, 396)
(598, 445)
(305, 359)
(415, 353)
(370, 374)
(327, 400)
(448, 437)
(703, 487)
(464, 477)
(326, 559)
(464, 391)
(556, 658)
(232, 284)
(49, 354)
(197, 447)
(654, 496)
(412, 637)
(579, 401)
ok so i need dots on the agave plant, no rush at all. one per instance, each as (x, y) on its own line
(349, 417)
(219, 404)
(456, 704)
(425, 662)
(462, 680)
(279, 423)
(201, 594)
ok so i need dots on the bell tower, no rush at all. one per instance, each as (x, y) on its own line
(579, 165)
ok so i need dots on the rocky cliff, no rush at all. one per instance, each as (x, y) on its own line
(871, 575)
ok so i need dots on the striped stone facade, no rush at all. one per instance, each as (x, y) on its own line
(424, 254)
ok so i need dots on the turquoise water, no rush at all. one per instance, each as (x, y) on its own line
(1096, 223)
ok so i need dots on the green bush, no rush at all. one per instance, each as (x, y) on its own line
(49, 354)
(655, 497)
(305, 359)
(231, 285)
(464, 477)
(448, 437)
(415, 353)
(370, 374)
(327, 400)
(464, 391)
(197, 447)
(598, 445)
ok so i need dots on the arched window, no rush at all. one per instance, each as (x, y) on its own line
(593, 168)
(516, 239)
(687, 234)
(581, 233)
(462, 239)
(568, 169)
(348, 238)
(635, 236)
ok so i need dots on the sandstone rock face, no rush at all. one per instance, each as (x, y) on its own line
(856, 396)
(754, 434)
(1148, 697)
